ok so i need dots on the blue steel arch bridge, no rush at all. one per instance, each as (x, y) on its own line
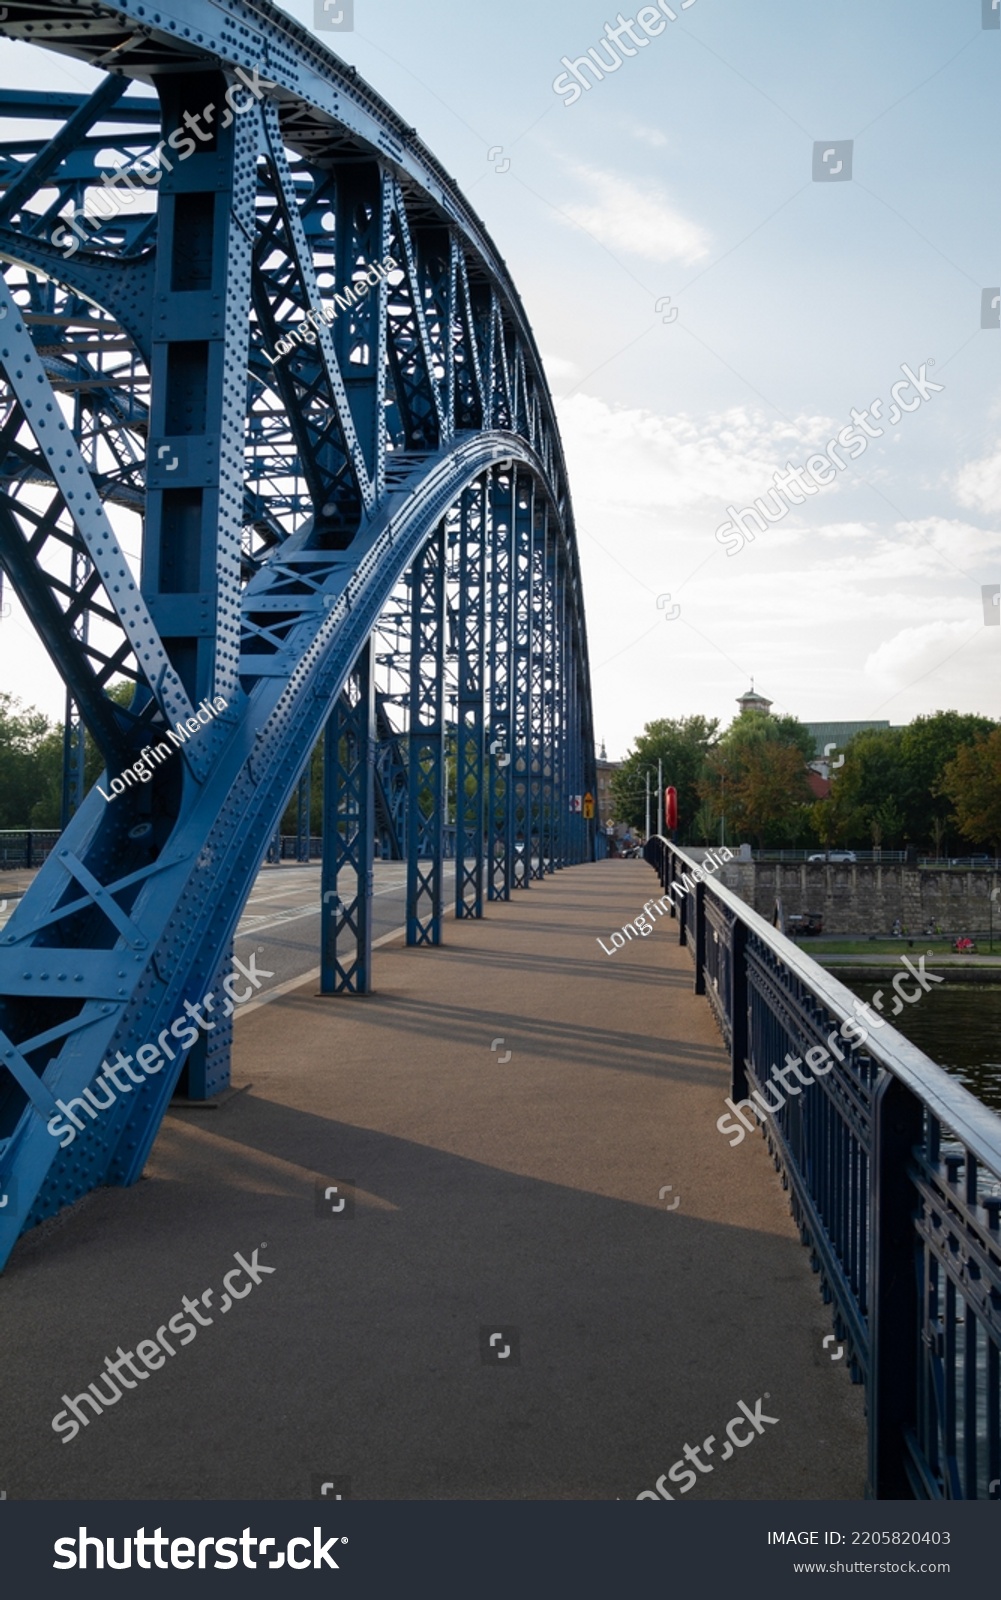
(353, 527)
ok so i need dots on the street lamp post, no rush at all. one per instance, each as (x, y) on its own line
(722, 802)
(646, 776)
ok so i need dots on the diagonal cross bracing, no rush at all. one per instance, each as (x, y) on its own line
(421, 417)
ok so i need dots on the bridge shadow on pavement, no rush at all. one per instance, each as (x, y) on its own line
(491, 1193)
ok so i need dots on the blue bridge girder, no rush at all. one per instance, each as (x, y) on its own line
(392, 473)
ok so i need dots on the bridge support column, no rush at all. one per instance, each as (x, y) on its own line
(426, 764)
(576, 765)
(521, 701)
(302, 819)
(205, 1074)
(198, 392)
(500, 797)
(349, 835)
(547, 736)
(470, 794)
(537, 699)
(561, 796)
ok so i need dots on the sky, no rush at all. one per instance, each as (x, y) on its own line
(710, 313)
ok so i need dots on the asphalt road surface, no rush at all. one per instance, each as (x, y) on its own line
(281, 920)
(282, 917)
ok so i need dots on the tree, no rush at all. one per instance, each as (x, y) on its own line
(29, 759)
(705, 824)
(927, 746)
(46, 812)
(824, 818)
(972, 781)
(871, 779)
(757, 776)
(885, 822)
(891, 777)
(681, 744)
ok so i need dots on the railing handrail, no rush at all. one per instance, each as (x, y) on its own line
(893, 1171)
(976, 1124)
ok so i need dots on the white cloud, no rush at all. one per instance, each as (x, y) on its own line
(636, 458)
(559, 370)
(636, 219)
(918, 652)
(647, 135)
(978, 483)
(842, 608)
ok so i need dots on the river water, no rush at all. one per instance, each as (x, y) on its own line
(959, 1026)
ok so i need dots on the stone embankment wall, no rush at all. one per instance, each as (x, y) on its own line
(868, 898)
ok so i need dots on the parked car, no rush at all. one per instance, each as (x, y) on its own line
(834, 855)
(805, 923)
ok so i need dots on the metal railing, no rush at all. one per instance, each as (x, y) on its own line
(886, 858)
(815, 856)
(894, 1174)
(26, 847)
(292, 848)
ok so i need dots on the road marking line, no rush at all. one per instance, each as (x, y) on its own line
(306, 977)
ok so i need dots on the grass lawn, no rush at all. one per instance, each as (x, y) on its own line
(890, 948)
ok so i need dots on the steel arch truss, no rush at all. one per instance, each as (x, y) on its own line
(276, 449)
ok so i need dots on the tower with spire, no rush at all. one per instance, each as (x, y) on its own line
(751, 701)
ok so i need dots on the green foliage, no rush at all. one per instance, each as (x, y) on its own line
(972, 781)
(289, 822)
(940, 777)
(705, 824)
(757, 728)
(93, 761)
(30, 765)
(927, 746)
(756, 778)
(681, 744)
(888, 793)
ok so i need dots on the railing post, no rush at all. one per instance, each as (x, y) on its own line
(894, 1322)
(699, 897)
(738, 1010)
(669, 876)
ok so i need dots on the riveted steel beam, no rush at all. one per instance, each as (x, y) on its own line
(162, 265)
(349, 835)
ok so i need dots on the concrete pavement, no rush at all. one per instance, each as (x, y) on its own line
(510, 1120)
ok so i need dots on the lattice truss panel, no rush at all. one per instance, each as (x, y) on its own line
(263, 380)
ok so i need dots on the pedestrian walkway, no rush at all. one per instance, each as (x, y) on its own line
(518, 1135)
